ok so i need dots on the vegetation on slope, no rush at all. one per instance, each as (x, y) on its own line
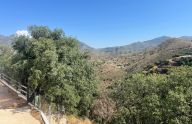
(52, 65)
(134, 47)
(154, 98)
(5, 40)
(138, 61)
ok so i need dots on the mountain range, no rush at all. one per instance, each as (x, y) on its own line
(118, 50)
(5, 40)
(134, 47)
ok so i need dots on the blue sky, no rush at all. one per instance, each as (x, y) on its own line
(101, 23)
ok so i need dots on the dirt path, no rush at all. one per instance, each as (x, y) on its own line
(13, 110)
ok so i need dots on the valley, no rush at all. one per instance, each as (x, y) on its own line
(112, 67)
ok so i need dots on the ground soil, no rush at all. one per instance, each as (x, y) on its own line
(13, 109)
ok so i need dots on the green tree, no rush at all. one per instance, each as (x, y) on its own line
(53, 66)
(155, 98)
(39, 32)
(20, 62)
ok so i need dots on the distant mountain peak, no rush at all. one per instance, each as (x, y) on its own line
(5, 40)
(135, 47)
(186, 37)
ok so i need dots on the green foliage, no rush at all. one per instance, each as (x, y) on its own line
(155, 98)
(5, 58)
(20, 44)
(51, 65)
(57, 34)
(185, 61)
(39, 31)
(20, 61)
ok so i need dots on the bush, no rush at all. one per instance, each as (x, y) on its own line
(154, 98)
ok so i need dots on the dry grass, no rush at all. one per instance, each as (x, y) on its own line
(57, 119)
(69, 120)
(74, 120)
(36, 115)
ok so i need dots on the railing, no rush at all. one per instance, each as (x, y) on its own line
(18, 86)
(23, 90)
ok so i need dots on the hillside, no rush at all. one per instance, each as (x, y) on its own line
(5, 40)
(134, 47)
(163, 67)
(137, 61)
(84, 47)
(113, 68)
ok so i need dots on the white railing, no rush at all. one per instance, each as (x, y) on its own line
(21, 89)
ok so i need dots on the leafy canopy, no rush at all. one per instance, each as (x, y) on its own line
(155, 98)
(51, 65)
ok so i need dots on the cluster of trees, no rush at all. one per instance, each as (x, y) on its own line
(154, 98)
(185, 61)
(51, 65)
